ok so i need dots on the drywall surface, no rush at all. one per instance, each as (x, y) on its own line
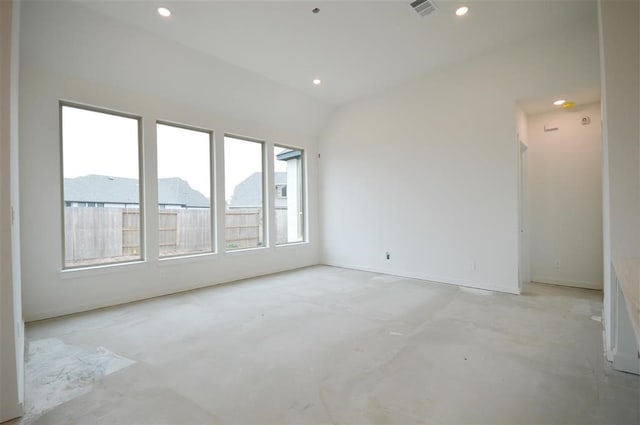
(524, 272)
(69, 39)
(11, 325)
(620, 51)
(522, 125)
(565, 197)
(428, 170)
(16, 258)
(71, 53)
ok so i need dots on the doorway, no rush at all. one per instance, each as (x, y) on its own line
(560, 195)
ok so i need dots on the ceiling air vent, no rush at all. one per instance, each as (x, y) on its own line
(423, 7)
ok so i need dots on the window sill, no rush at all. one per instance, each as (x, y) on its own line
(186, 258)
(81, 272)
(247, 251)
(292, 244)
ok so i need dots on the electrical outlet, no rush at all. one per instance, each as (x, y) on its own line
(388, 255)
(473, 266)
(557, 264)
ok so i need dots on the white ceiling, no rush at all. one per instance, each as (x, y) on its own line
(545, 103)
(355, 47)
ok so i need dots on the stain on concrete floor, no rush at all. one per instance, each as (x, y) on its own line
(56, 373)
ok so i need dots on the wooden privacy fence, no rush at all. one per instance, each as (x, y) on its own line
(243, 228)
(184, 231)
(130, 232)
(94, 235)
(281, 225)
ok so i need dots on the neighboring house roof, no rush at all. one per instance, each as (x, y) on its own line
(120, 190)
(175, 191)
(247, 192)
(290, 154)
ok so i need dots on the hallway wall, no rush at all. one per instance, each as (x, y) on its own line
(565, 197)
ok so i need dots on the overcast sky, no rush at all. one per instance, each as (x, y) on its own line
(104, 144)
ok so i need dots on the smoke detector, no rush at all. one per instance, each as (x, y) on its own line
(424, 7)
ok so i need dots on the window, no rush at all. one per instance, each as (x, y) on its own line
(100, 169)
(289, 202)
(184, 190)
(281, 191)
(244, 189)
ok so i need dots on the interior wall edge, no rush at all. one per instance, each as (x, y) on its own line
(11, 323)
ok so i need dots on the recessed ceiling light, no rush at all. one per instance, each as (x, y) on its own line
(462, 10)
(164, 12)
(559, 102)
(317, 81)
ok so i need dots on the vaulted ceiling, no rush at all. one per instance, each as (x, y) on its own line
(355, 47)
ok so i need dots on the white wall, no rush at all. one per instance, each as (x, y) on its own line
(524, 272)
(69, 52)
(620, 51)
(522, 125)
(65, 38)
(428, 170)
(11, 324)
(565, 197)
(15, 198)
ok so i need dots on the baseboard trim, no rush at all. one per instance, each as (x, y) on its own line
(155, 293)
(431, 278)
(570, 283)
(626, 363)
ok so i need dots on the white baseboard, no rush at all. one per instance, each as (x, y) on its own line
(431, 278)
(147, 294)
(564, 282)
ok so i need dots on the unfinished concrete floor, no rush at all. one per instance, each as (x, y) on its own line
(329, 345)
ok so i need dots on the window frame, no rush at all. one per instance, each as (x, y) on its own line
(265, 193)
(141, 204)
(303, 192)
(212, 188)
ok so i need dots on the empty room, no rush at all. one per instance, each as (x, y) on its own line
(310, 212)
